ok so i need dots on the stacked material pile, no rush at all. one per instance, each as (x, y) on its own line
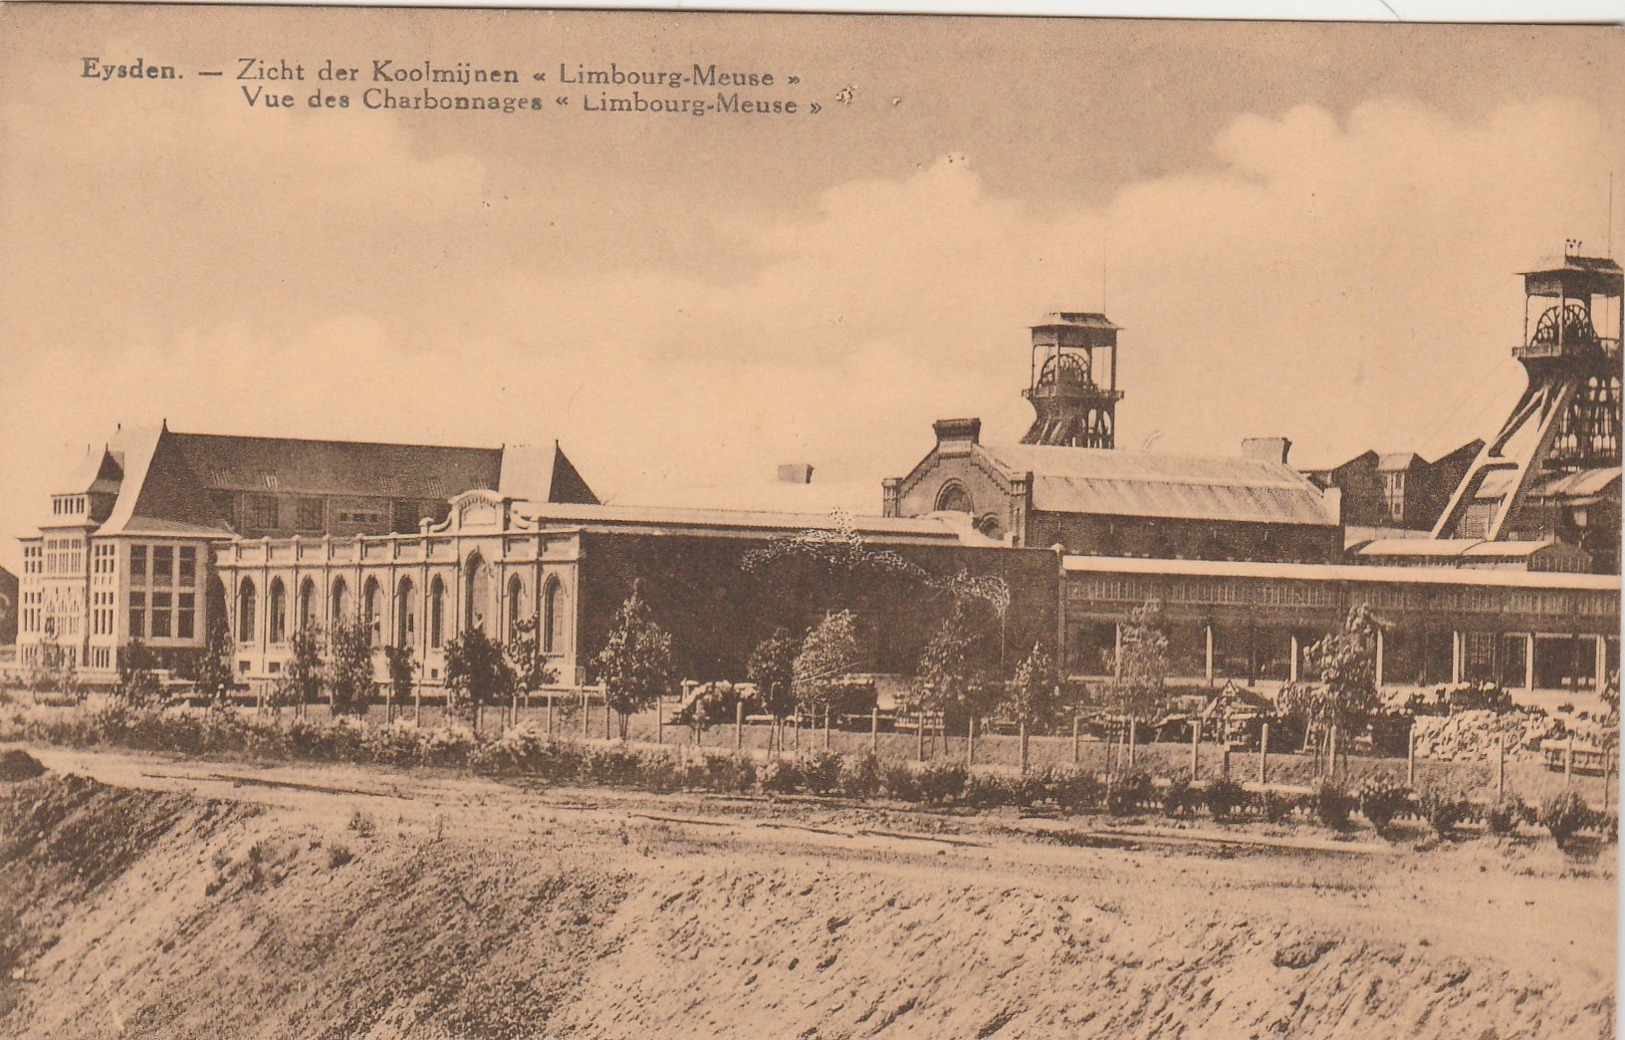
(1471, 736)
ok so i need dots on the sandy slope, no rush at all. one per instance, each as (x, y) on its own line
(470, 908)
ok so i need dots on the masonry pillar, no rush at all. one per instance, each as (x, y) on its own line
(1455, 655)
(1379, 657)
(1209, 671)
(1117, 652)
(1529, 663)
(1601, 673)
(1292, 671)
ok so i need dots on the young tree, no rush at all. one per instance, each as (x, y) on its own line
(1030, 693)
(349, 666)
(952, 677)
(137, 684)
(1346, 663)
(214, 678)
(402, 671)
(1139, 689)
(635, 665)
(830, 653)
(477, 674)
(772, 667)
(530, 668)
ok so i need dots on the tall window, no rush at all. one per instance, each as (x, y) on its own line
(371, 608)
(437, 613)
(406, 613)
(311, 514)
(138, 615)
(340, 603)
(307, 604)
(245, 611)
(477, 604)
(262, 512)
(162, 603)
(277, 607)
(163, 565)
(186, 616)
(138, 563)
(553, 617)
(188, 558)
(516, 601)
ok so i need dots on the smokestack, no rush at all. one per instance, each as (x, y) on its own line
(795, 473)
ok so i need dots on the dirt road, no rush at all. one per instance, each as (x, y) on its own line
(472, 907)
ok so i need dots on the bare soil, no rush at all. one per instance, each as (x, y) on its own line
(149, 897)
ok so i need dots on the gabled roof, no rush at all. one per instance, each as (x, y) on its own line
(224, 462)
(1398, 460)
(1151, 484)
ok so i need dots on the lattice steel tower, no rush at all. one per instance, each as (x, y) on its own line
(1567, 423)
(1074, 381)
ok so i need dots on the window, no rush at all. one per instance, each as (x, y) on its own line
(311, 514)
(276, 607)
(553, 617)
(188, 558)
(476, 605)
(262, 512)
(163, 565)
(162, 602)
(954, 498)
(516, 602)
(138, 563)
(186, 618)
(245, 612)
(437, 613)
(339, 601)
(138, 615)
(406, 609)
(307, 604)
(370, 605)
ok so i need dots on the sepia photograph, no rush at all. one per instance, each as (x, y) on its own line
(526, 522)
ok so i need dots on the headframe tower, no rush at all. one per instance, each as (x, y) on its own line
(1074, 381)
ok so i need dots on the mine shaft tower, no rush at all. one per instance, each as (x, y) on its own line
(1074, 381)
(1566, 426)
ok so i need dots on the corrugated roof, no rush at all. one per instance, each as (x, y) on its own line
(1583, 484)
(668, 516)
(288, 465)
(1344, 572)
(1130, 483)
(1397, 460)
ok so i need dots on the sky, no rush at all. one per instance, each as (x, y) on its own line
(1310, 231)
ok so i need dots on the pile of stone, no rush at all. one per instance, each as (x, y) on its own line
(1472, 736)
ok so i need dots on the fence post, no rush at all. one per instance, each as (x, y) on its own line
(417, 705)
(874, 731)
(585, 719)
(1133, 739)
(1331, 757)
(1077, 746)
(1263, 753)
(919, 738)
(970, 742)
(739, 726)
(826, 724)
(606, 714)
(1501, 768)
(1568, 762)
(1224, 762)
(550, 715)
(1196, 739)
(1023, 747)
(660, 720)
(1410, 758)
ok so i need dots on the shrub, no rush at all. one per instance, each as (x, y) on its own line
(1333, 805)
(725, 774)
(1563, 814)
(362, 824)
(1381, 799)
(1035, 788)
(1179, 799)
(1277, 807)
(338, 856)
(1129, 794)
(1442, 811)
(861, 777)
(821, 772)
(987, 790)
(941, 784)
(1224, 796)
(781, 776)
(1504, 816)
(1078, 791)
(903, 783)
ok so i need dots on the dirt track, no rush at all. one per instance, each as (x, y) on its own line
(474, 908)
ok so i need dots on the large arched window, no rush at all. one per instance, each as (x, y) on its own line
(477, 604)
(437, 613)
(516, 602)
(372, 611)
(340, 611)
(406, 613)
(307, 604)
(553, 617)
(954, 498)
(276, 606)
(245, 611)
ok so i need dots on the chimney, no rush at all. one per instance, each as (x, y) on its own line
(1266, 449)
(957, 436)
(795, 473)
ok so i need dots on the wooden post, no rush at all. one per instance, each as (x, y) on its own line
(1331, 757)
(919, 738)
(1077, 743)
(1410, 757)
(606, 716)
(1607, 778)
(1264, 753)
(417, 705)
(585, 719)
(1196, 739)
(1500, 768)
(826, 724)
(739, 726)
(874, 731)
(1133, 739)
(1224, 762)
(1568, 762)
(1023, 747)
(660, 720)
(550, 715)
(970, 741)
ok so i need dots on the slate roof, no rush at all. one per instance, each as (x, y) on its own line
(1151, 484)
(292, 466)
